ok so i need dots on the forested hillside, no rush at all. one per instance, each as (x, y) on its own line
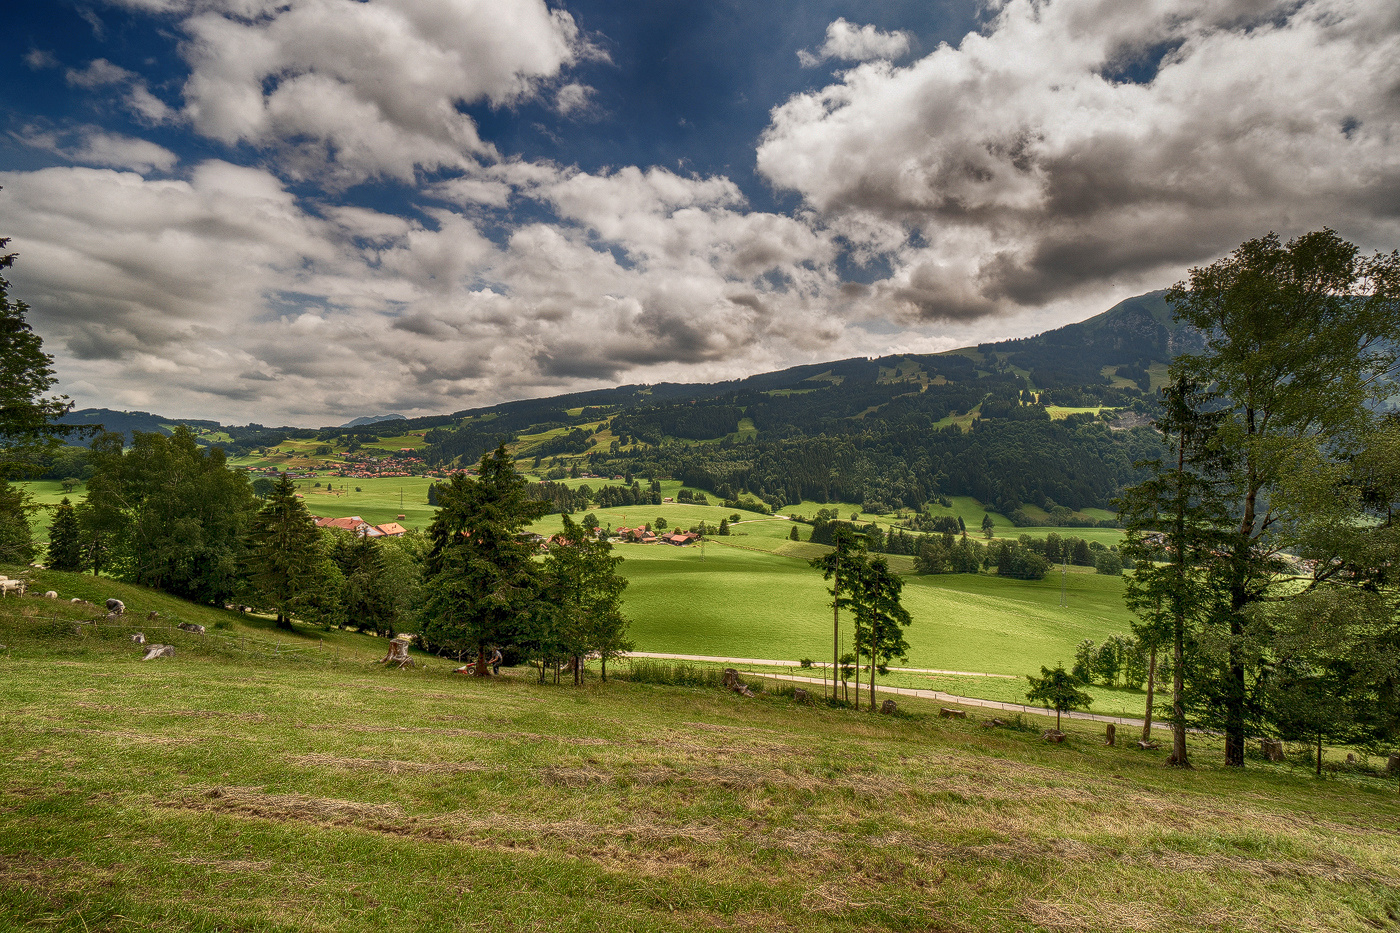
(890, 433)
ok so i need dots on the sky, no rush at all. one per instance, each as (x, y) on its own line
(303, 211)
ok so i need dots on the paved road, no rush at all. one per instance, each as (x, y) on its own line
(905, 691)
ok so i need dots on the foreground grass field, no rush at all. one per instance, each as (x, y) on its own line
(220, 792)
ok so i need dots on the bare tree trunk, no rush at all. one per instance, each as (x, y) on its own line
(872, 681)
(835, 625)
(1151, 683)
(603, 662)
(1319, 754)
(481, 670)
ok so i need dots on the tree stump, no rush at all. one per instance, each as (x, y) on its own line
(1148, 746)
(732, 682)
(152, 616)
(139, 638)
(1110, 735)
(946, 713)
(889, 708)
(192, 627)
(1392, 764)
(398, 656)
(159, 651)
(51, 595)
(1272, 749)
(802, 696)
(1053, 735)
(115, 607)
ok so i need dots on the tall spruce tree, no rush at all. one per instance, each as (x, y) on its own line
(284, 554)
(65, 542)
(480, 579)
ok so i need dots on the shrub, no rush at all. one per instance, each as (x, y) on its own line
(677, 674)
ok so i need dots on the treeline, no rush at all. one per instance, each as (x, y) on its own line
(567, 501)
(1080, 462)
(1026, 558)
(690, 421)
(169, 514)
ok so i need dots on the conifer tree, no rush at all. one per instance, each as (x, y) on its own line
(65, 543)
(480, 579)
(284, 553)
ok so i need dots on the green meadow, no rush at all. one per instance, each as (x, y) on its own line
(263, 783)
(753, 594)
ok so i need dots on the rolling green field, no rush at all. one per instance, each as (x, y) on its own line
(379, 499)
(230, 789)
(754, 595)
(740, 603)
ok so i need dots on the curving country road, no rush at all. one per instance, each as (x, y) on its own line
(904, 691)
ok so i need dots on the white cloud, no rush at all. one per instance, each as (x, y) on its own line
(40, 59)
(1033, 167)
(572, 98)
(851, 43)
(371, 88)
(99, 73)
(90, 145)
(220, 293)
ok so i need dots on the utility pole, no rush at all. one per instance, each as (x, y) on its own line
(1064, 597)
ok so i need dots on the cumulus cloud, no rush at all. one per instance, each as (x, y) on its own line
(851, 43)
(370, 88)
(1090, 144)
(236, 298)
(90, 145)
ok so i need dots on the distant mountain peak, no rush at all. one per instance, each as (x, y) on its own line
(373, 419)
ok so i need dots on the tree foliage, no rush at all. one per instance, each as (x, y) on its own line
(480, 579)
(285, 564)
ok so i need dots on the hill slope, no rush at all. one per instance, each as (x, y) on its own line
(206, 792)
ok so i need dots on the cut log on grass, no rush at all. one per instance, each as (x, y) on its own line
(159, 651)
(946, 713)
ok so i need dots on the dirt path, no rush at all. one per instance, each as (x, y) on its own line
(907, 691)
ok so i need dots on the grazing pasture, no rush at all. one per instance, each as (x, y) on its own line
(232, 789)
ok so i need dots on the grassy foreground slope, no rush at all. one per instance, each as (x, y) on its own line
(210, 793)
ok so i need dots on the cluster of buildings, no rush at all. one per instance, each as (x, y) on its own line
(361, 528)
(644, 535)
